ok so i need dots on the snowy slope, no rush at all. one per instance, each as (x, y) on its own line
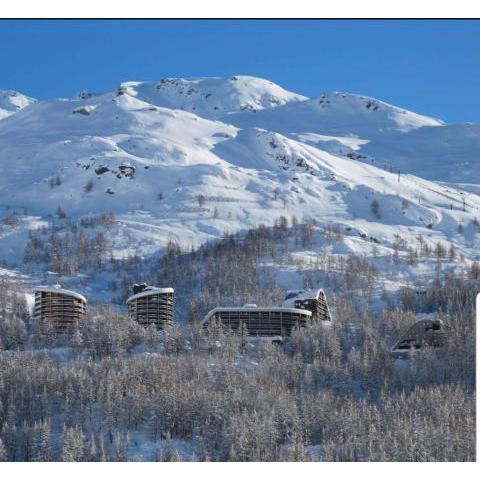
(212, 97)
(376, 132)
(338, 113)
(11, 102)
(171, 167)
(450, 153)
(83, 137)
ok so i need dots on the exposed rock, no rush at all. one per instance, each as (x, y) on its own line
(84, 94)
(101, 169)
(83, 110)
(127, 170)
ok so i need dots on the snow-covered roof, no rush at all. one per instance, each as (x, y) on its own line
(300, 295)
(247, 308)
(149, 291)
(56, 289)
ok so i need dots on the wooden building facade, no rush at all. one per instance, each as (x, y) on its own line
(151, 306)
(259, 322)
(314, 301)
(58, 310)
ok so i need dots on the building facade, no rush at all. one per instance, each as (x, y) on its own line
(424, 333)
(151, 305)
(259, 321)
(314, 301)
(57, 309)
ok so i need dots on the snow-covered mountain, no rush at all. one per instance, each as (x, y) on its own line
(190, 159)
(373, 131)
(339, 113)
(212, 97)
(11, 102)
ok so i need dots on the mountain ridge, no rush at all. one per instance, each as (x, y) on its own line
(170, 173)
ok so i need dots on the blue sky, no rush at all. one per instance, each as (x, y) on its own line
(431, 67)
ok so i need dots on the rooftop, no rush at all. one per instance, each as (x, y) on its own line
(58, 289)
(251, 308)
(150, 291)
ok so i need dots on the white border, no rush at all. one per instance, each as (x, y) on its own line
(241, 471)
(244, 9)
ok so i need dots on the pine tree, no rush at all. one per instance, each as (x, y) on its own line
(3, 452)
(375, 208)
(42, 442)
(73, 444)
(120, 450)
(60, 212)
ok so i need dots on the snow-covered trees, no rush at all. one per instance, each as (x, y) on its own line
(115, 389)
(375, 208)
(13, 316)
(3, 452)
(200, 200)
(73, 444)
(66, 249)
(328, 394)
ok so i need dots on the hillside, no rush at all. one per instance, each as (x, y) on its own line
(172, 167)
(232, 192)
(375, 132)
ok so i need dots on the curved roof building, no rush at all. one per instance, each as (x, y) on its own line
(424, 333)
(58, 309)
(259, 321)
(151, 305)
